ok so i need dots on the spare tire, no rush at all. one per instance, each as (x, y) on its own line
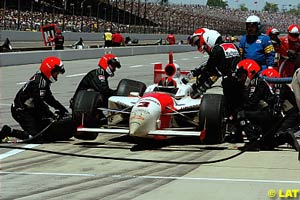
(85, 112)
(211, 118)
(126, 86)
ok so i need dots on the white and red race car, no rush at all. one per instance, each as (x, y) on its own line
(154, 112)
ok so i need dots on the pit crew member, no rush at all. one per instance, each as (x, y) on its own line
(257, 46)
(97, 79)
(222, 62)
(290, 48)
(30, 107)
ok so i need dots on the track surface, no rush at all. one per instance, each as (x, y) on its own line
(36, 175)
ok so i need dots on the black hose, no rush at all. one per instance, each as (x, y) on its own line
(278, 80)
(243, 150)
(38, 134)
(124, 159)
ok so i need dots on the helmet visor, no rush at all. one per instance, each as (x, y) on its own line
(294, 35)
(59, 69)
(194, 40)
(114, 62)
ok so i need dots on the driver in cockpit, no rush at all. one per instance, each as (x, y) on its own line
(167, 84)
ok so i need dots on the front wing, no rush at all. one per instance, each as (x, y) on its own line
(154, 132)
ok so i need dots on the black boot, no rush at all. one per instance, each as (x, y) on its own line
(5, 132)
(234, 137)
(255, 146)
(252, 132)
(292, 140)
(22, 135)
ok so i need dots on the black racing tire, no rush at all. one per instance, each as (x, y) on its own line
(126, 86)
(85, 112)
(61, 130)
(211, 118)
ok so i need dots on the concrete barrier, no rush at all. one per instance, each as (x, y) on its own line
(27, 36)
(20, 58)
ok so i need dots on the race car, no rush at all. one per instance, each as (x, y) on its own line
(158, 111)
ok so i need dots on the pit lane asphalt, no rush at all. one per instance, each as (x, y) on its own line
(35, 175)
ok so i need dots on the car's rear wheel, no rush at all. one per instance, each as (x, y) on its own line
(85, 112)
(126, 86)
(211, 118)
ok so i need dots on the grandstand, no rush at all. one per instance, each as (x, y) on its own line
(130, 16)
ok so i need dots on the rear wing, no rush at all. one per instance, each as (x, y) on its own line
(169, 70)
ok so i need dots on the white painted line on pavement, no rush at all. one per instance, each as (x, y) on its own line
(48, 174)
(155, 63)
(21, 83)
(207, 179)
(196, 57)
(158, 177)
(184, 59)
(74, 75)
(16, 151)
(135, 66)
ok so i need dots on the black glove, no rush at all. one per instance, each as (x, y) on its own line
(197, 92)
(71, 103)
(47, 113)
(60, 114)
(187, 78)
(241, 115)
(291, 54)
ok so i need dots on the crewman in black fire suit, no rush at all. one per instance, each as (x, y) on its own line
(30, 106)
(256, 116)
(290, 124)
(262, 112)
(222, 62)
(96, 79)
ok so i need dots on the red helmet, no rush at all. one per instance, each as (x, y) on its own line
(272, 31)
(51, 65)
(109, 63)
(250, 66)
(293, 32)
(58, 31)
(209, 39)
(195, 38)
(272, 73)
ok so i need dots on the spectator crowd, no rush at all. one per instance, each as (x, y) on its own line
(178, 18)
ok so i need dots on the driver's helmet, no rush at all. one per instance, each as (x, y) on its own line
(51, 65)
(248, 66)
(253, 19)
(194, 39)
(167, 84)
(293, 32)
(109, 63)
(209, 39)
(271, 73)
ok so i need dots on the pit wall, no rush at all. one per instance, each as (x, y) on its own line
(29, 57)
(27, 36)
